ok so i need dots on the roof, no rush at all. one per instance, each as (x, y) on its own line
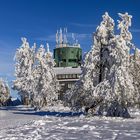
(67, 70)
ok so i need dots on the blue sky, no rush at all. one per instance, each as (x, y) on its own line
(38, 20)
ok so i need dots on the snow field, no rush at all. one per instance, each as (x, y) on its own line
(49, 127)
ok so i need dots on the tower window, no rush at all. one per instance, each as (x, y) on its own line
(74, 75)
(64, 60)
(72, 60)
(67, 76)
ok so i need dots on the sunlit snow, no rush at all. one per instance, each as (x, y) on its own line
(60, 124)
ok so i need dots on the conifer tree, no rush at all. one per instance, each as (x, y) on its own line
(24, 58)
(105, 81)
(44, 85)
(4, 92)
(35, 77)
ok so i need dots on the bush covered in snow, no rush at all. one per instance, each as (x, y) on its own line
(106, 83)
(35, 78)
(135, 73)
(4, 92)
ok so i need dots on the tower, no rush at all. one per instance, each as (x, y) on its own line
(68, 57)
(65, 53)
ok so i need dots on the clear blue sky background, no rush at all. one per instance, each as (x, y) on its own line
(38, 20)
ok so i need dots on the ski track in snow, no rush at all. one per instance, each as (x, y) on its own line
(19, 123)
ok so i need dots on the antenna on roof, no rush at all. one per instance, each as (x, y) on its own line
(65, 35)
(76, 41)
(73, 37)
(48, 48)
(61, 37)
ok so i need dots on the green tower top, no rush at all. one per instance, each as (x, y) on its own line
(66, 54)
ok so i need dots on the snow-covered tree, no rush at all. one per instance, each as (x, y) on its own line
(105, 81)
(35, 77)
(24, 58)
(92, 73)
(135, 73)
(4, 92)
(44, 86)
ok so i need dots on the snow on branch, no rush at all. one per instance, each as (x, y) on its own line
(35, 77)
(106, 82)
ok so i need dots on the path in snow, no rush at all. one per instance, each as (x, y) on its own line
(67, 127)
(10, 118)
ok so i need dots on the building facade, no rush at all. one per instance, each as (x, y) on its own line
(68, 57)
(67, 76)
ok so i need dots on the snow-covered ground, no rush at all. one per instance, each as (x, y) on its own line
(23, 123)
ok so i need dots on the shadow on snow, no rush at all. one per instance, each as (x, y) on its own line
(30, 111)
(16, 108)
(53, 113)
